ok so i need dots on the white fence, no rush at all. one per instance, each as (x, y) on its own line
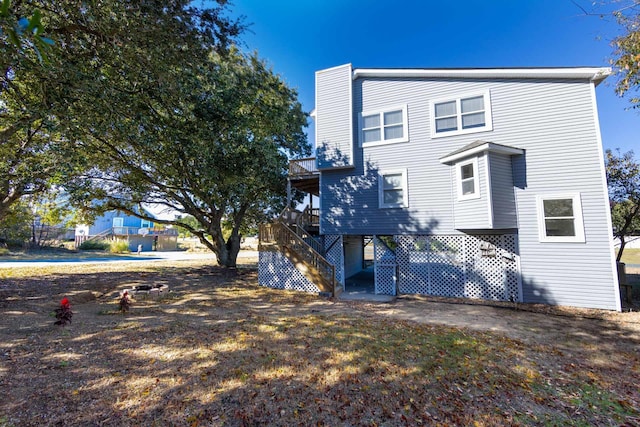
(633, 242)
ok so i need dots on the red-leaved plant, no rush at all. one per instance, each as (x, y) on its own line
(64, 313)
(125, 302)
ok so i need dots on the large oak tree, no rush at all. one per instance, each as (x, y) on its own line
(219, 152)
(150, 102)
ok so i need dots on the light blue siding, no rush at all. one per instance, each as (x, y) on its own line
(502, 192)
(552, 120)
(334, 127)
(472, 213)
(105, 222)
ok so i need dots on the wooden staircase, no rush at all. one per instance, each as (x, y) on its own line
(102, 235)
(289, 235)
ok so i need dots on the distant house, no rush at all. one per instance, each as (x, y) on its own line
(472, 183)
(116, 225)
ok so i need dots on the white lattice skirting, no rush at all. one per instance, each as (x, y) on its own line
(277, 272)
(478, 266)
(335, 255)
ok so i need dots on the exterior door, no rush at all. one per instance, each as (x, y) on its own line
(118, 222)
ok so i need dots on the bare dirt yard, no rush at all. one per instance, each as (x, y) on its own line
(219, 350)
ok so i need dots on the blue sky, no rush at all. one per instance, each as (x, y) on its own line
(300, 37)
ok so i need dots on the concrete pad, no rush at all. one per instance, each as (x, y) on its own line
(364, 296)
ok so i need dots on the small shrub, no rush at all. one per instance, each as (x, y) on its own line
(4, 252)
(64, 313)
(95, 245)
(125, 302)
(119, 247)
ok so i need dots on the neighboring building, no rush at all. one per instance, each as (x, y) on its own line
(478, 183)
(116, 225)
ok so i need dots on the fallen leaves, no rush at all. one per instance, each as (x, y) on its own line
(223, 351)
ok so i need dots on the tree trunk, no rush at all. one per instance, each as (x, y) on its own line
(623, 243)
(229, 252)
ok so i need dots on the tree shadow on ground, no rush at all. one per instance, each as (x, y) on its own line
(221, 350)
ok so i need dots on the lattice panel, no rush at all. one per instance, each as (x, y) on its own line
(512, 271)
(459, 266)
(431, 265)
(276, 271)
(335, 255)
(385, 268)
(485, 278)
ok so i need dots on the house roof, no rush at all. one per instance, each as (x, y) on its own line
(480, 147)
(594, 74)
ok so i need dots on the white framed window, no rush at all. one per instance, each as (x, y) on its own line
(386, 126)
(467, 180)
(145, 223)
(392, 189)
(460, 115)
(560, 218)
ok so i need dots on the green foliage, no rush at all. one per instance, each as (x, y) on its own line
(15, 225)
(25, 34)
(119, 247)
(46, 108)
(389, 242)
(33, 151)
(627, 51)
(4, 251)
(126, 113)
(187, 220)
(94, 245)
(236, 123)
(623, 178)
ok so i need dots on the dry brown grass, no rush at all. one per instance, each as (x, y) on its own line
(219, 350)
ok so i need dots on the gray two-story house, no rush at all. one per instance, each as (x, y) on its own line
(473, 183)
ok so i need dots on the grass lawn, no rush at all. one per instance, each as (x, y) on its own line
(54, 254)
(219, 350)
(631, 256)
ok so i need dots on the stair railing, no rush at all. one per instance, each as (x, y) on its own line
(280, 234)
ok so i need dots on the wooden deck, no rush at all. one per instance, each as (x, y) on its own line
(304, 175)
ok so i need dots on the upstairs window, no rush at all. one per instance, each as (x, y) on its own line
(467, 179)
(392, 187)
(465, 114)
(384, 127)
(560, 218)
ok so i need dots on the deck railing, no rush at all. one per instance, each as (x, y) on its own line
(128, 231)
(309, 217)
(280, 234)
(289, 216)
(300, 168)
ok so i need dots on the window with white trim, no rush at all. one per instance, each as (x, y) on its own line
(464, 114)
(384, 127)
(145, 223)
(560, 218)
(392, 189)
(467, 179)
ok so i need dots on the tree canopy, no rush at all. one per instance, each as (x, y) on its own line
(219, 152)
(623, 177)
(626, 54)
(148, 102)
